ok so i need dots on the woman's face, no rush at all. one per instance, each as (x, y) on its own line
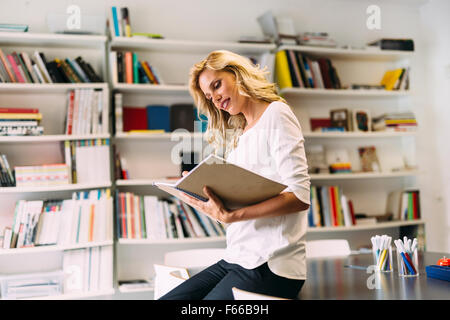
(220, 87)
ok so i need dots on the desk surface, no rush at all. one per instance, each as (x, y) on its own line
(329, 279)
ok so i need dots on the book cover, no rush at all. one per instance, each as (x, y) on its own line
(15, 69)
(7, 67)
(182, 117)
(129, 67)
(282, 73)
(236, 186)
(134, 118)
(158, 117)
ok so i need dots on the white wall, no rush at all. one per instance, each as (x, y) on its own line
(433, 146)
(345, 21)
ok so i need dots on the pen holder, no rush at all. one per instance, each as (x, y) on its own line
(383, 259)
(408, 263)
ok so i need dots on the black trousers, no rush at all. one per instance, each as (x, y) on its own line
(216, 281)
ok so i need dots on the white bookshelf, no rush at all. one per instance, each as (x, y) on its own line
(51, 100)
(367, 190)
(200, 240)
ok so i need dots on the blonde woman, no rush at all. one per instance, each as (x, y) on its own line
(251, 126)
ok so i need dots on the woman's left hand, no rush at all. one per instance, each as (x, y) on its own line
(213, 208)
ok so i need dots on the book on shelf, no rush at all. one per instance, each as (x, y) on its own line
(393, 44)
(330, 207)
(234, 185)
(87, 160)
(127, 68)
(86, 112)
(182, 117)
(44, 175)
(85, 218)
(404, 204)
(296, 70)
(395, 121)
(396, 79)
(34, 68)
(147, 217)
(119, 22)
(7, 176)
(134, 285)
(20, 122)
(338, 160)
(13, 27)
(317, 39)
(88, 269)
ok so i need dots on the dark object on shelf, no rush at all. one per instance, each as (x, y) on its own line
(394, 44)
(188, 160)
(182, 117)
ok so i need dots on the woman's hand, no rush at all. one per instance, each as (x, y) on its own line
(213, 208)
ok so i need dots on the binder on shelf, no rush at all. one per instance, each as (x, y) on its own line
(236, 186)
(158, 117)
(182, 117)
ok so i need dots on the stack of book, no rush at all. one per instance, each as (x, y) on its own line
(330, 208)
(20, 122)
(404, 204)
(147, 217)
(316, 39)
(294, 69)
(44, 175)
(126, 68)
(88, 269)
(87, 160)
(87, 217)
(397, 79)
(6, 174)
(24, 68)
(86, 112)
(400, 121)
(119, 22)
(340, 167)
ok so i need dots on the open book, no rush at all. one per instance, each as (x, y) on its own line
(235, 186)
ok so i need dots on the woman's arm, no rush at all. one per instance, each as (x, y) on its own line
(284, 203)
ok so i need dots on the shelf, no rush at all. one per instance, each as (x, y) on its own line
(171, 241)
(80, 295)
(54, 248)
(50, 138)
(365, 135)
(354, 54)
(381, 225)
(49, 87)
(143, 182)
(323, 93)
(67, 187)
(187, 46)
(152, 88)
(52, 40)
(158, 136)
(363, 175)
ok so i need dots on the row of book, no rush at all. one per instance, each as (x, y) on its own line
(400, 121)
(330, 208)
(86, 112)
(404, 204)
(87, 217)
(294, 69)
(126, 68)
(396, 79)
(87, 160)
(147, 217)
(20, 122)
(120, 165)
(88, 269)
(23, 68)
(157, 118)
(7, 176)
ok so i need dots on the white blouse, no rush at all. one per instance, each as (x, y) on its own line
(274, 148)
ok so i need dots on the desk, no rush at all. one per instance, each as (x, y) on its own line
(329, 279)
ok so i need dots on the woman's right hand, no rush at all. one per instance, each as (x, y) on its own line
(184, 173)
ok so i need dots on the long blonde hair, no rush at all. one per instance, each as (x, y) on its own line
(224, 129)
